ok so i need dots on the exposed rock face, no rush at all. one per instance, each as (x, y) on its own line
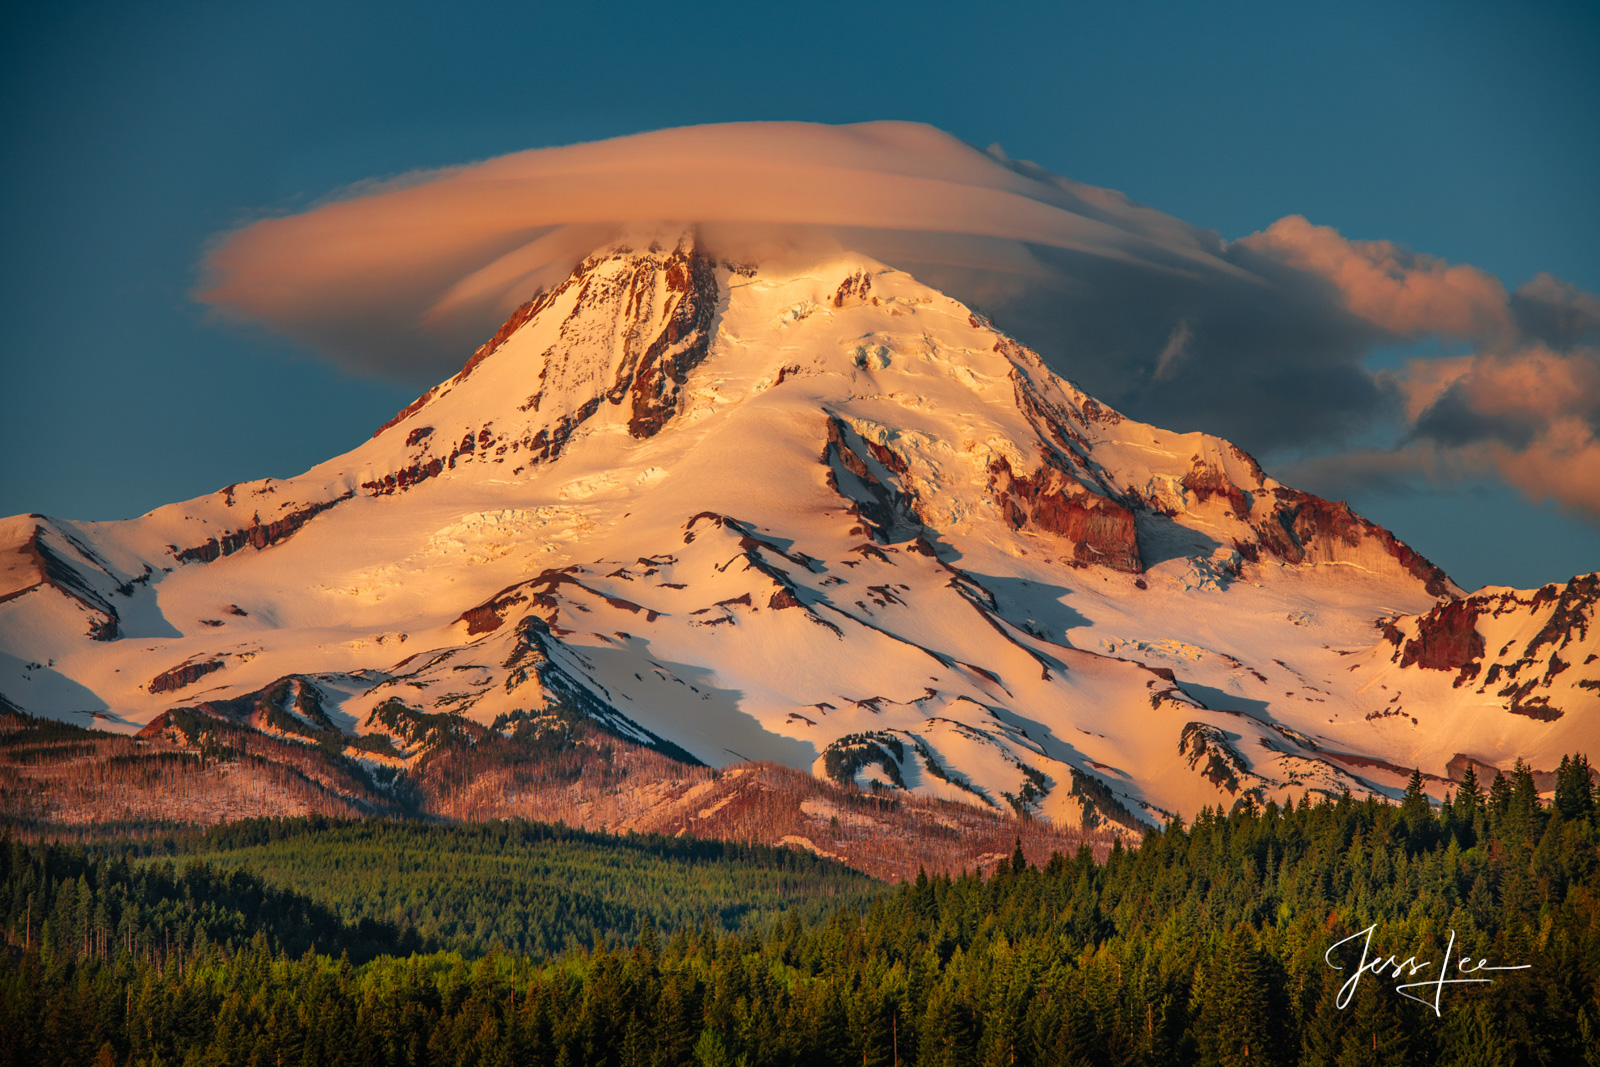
(1275, 521)
(491, 614)
(183, 675)
(1533, 650)
(519, 318)
(488, 616)
(405, 478)
(653, 312)
(409, 410)
(481, 619)
(853, 289)
(662, 310)
(1207, 480)
(1050, 500)
(1223, 764)
(1447, 638)
(864, 473)
(682, 345)
(1574, 611)
(1305, 527)
(257, 535)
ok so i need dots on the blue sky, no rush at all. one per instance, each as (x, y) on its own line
(138, 133)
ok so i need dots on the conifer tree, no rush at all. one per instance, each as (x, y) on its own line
(1575, 791)
(1499, 802)
(1417, 812)
(1522, 816)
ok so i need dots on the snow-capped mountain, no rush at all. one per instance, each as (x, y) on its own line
(831, 519)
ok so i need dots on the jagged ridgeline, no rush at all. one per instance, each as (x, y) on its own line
(1207, 944)
(60, 781)
(819, 520)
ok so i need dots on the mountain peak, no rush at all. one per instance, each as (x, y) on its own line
(823, 516)
(649, 308)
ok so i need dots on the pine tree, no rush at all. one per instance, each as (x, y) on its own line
(1575, 792)
(1499, 803)
(1417, 812)
(1469, 803)
(1521, 822)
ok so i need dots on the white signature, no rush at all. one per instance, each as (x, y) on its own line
(1410, 968)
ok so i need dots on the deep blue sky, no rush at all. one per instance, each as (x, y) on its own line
(135, 133)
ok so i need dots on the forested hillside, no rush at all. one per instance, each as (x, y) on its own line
(526, 888)
(390, 886)
(1208, 944)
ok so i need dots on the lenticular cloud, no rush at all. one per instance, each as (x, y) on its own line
(1261, 340)
(451, 251)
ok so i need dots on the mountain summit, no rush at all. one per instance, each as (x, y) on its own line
(830, 519)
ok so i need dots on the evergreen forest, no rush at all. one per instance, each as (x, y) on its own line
(1236, 939)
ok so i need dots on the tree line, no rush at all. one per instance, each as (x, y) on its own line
(1210, 943)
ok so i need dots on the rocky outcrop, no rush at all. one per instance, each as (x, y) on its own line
(184, 674)
(257, 535)
(655, 310)
(1575, 605)
(865, 473)
(1302, 527)
(1222, 764)
(1208, 480)
(853, 290)
(405, 478)
(487, 617)
(539, 592)
(1052, 501)
(519, 318)
(1553, 672)
(682, 345)
(1447, 638)
(409, 410)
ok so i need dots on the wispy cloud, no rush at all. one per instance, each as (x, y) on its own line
(1264, 339)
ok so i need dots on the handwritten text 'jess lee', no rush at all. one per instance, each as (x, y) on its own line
(1410, 968)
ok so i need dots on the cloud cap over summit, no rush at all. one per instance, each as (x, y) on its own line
(1264, 340)
(458, 248)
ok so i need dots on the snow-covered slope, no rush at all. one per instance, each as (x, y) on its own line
(830, 519)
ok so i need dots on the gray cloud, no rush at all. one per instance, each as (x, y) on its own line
(1454, 420)
(1556, 313)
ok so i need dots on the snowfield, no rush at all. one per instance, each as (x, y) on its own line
(833, 520)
